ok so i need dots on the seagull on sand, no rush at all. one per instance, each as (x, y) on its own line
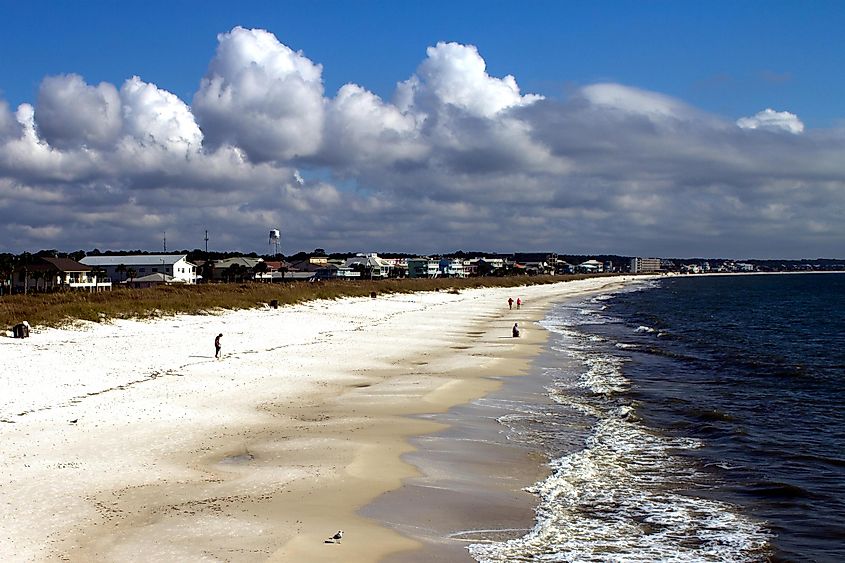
(336, 538)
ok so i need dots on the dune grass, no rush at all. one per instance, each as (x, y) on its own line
(59, 309)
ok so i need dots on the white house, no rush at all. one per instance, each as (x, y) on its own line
(372, 265)
(590, 267)
(119, 268)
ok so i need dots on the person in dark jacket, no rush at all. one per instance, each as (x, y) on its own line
(217, 345)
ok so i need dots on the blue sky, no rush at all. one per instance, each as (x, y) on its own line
(657, 128)
(730, 58)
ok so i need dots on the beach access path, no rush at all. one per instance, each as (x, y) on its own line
(129, 441)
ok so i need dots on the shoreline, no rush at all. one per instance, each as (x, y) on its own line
(467, 478)
(262, 455)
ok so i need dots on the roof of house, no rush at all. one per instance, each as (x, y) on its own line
(46, 264)
(306, 266)
(156, 277)
(245, 261)
(368, 260)
(134, 260)
(275, 265)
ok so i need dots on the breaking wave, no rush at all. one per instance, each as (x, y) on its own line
(624, 494)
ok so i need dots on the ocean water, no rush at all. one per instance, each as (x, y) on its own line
(693, 419)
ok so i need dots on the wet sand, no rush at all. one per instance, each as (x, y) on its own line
(470, 480)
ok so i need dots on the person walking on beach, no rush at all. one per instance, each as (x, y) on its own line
(518, 302)
(515, 330)
(217, 345)
(510, 302)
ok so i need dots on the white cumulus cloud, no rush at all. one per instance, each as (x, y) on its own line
(9, 126)
(360, 127)
(71, 113)
(153, 115)
(260, 95)
(772, 120)
(456, 75)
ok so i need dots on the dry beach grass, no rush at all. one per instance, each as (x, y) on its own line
(58, 309)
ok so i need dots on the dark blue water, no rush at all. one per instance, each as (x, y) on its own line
(753, 367)
(716, 408)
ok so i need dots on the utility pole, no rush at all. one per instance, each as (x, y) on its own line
(164, 241)
(207, 267)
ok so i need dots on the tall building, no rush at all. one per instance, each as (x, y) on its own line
(644, 265)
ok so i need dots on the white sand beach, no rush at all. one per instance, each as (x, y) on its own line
(128, 441)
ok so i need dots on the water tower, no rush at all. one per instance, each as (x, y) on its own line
(275, 241)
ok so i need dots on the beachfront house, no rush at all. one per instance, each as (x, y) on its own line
(451, 268)
(590, 267)
(235, 269)
(564, 267)
(331, 271)
(536, 263)
(56, 274)
(320, 270)
(369, 265)
(123, 268)
(422, 267)
(150, 280)
(486, 266)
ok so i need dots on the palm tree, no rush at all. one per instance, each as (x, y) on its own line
(97, 272)
(7, 269)
(235, 272)
(131, 273)
(260, 268)
(207, 271)
(121, 269)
